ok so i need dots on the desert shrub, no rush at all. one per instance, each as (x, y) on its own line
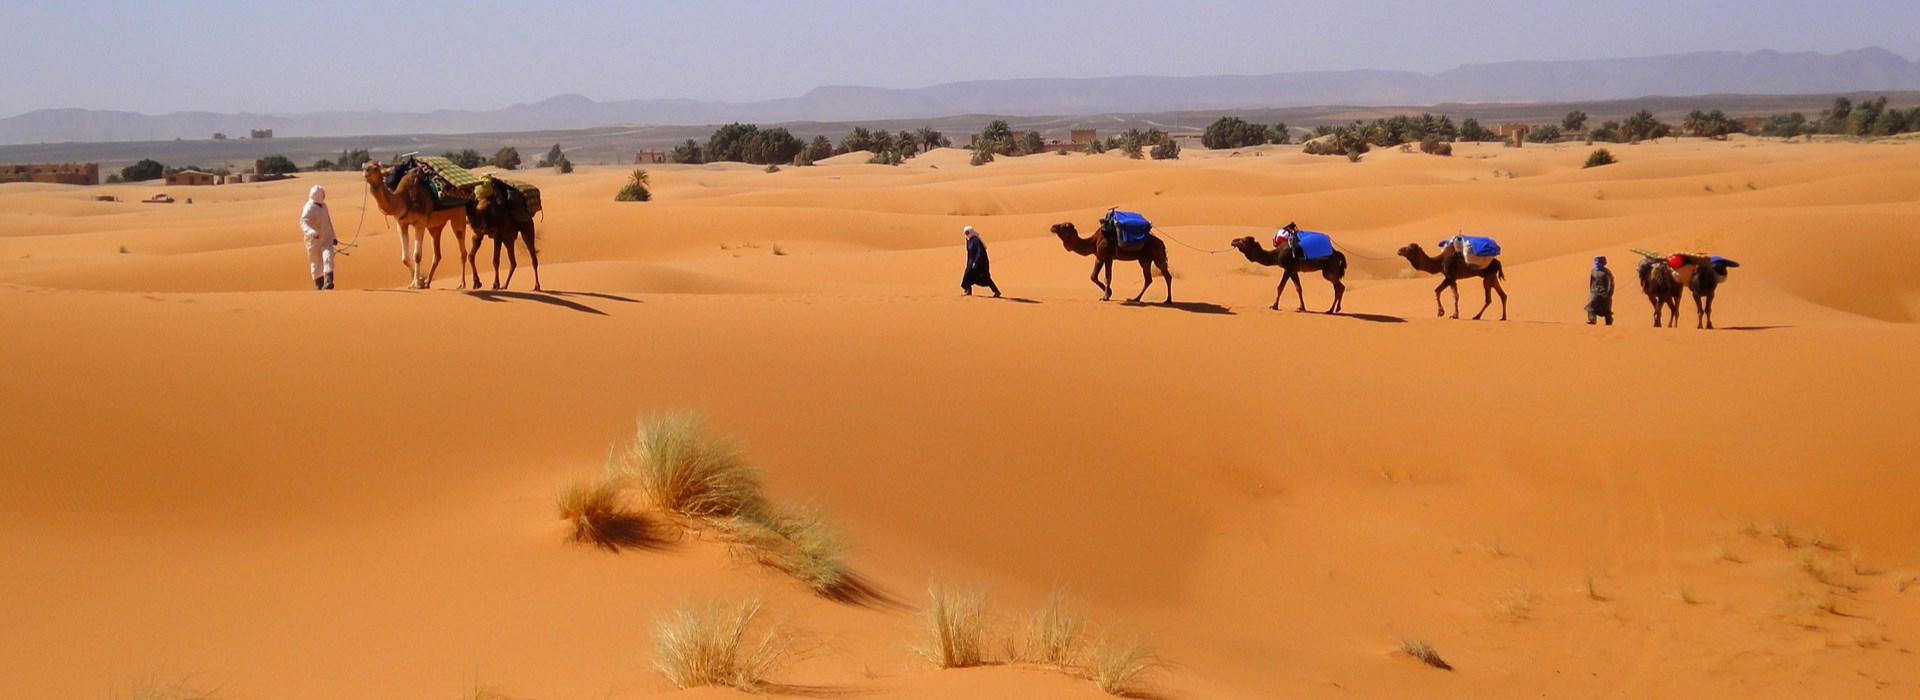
(1280, 135)
(718, 644)
(277, 164)
(817, 149)
(598, 511)
(1599, 157)
(1425, 653)
(1471, 130)
(322, 165)
(997, 137)
(352, 159)
(890, 156)
(1117, 664)
(1608, 131)
(1575, 120)
(1544, 133)
(748, 143)
(554, 155)
(1096, 146)
(1031, 143)
(1132, 149)
(795, 541)
(775, 167)
(1233, 132)
(1785, 125)
(1055, 635)
(1642, 125)
(507, 158)
(563, 166)
(1433, 145)
(956, 627)
(1714, 125)
(466, 158)
(681, 468)
(982, 155)
(1166, 150)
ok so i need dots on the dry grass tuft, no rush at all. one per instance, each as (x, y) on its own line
(1784, 531)
(1054, 635)
(793, 541)
(956, 627)
(1858, 563)
(1517, 603)
(598, 510)
(1902, 583)
(1747, 529)
(1686, 595)
(1725, 552)
(681, 468)
(1818, 567)
(1818, 538)
(155, 689)
(1867, 639)
(1117, 664)
(720, 645)
(1593, 591)
(1425, 653)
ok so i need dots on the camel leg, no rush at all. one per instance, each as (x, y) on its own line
(1709, 312)
(460, 249)
(1146, 273)
(513, 263)
(1487, 285)
(427, 281)
(1440, 309)
(1107, 284)
(1104, 292)
(533, 254)
(1277, 291)
(1339, 290)
(1166, 273)
(1299, 289)
(473, 262)
(496, 263)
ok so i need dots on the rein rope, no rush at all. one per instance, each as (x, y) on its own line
(1343, 249)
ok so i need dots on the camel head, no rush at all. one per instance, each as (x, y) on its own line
(373, 172)
(1246, 244)
(1065, 229)
(1410, 250)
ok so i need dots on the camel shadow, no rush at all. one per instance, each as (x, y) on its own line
(596, 295)
(1752, 328)
(1196, 307)
(810, 691)
(1020, 300)
(1370, 318)
(501, 296)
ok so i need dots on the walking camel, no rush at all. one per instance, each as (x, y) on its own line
(1105, 249)
(1662, 287)
(495, 216)
(410, 204)
(1454, 267)
(1333, 268)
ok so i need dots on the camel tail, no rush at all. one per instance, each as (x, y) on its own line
(1499, 270)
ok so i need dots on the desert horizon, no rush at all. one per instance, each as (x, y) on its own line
(227, 484)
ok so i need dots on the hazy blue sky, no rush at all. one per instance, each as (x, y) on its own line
(418, 55)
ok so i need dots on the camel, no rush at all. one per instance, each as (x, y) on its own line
(1699, 275)
(493, 218)
(1106, 249)
(1333, 268)
(1662, 287)
(1454, 267)
(410, 204)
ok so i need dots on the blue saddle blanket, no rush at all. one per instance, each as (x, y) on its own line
(1315, 245)
(1479, 246)
(1133, 228)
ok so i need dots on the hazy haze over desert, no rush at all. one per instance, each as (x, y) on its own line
(222, 483)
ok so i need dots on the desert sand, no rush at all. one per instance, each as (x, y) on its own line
(217, 476)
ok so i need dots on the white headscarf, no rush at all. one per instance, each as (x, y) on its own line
(970, 232)
(317, 195)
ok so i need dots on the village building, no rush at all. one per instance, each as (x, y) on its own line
(650, 156)
(191, 178)
(55, 173)
(262, 133)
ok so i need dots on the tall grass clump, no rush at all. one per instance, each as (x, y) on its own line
(1055, 634)
(795, 541)
(1117, 664)
(1424, 653)
(683, 469)
(716, 644)
(597, 508)
(956, 627)
(1599, 157)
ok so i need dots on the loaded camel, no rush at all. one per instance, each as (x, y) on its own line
(1333, 268)
(1453, 266)
(1701, 275)
(496, 214)
(1105, 249)
(1662, 287)
(411, 205)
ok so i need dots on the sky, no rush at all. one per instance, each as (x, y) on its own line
(419, 55)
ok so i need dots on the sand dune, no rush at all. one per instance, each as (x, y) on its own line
(220, 476)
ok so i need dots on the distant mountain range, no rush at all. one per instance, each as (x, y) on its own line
(1760, 72)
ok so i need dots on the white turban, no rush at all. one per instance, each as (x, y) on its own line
(969, 231)
(317, 195)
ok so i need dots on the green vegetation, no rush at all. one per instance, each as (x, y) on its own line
(507, 158)
(554, 155)
(277, 164)
(1031, 143)
(1642, 126)
(1546, 133)
(636, 188)
(1470, 130)
(687, 153)
(1234, 132)
(748, 143)
(1599, 157)
(1167, 149)
(1714, 125)
(1575, 120)
(467, 158)
(1434, 146)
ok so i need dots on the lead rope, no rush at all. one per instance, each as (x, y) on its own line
(361, 225)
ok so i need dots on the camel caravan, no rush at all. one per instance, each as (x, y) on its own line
(1129, 236)
(424, 194)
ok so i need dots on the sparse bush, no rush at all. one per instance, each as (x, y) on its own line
(466, 158)
(1031, 143)
(1424, 653)
(1166, 150)
(1132, 149)
(721, 645)
(795, 541)
(688, 153)
(1545, 133)
(1055, 635)
(683, 469)
(818, 149)
(1117, 664)
(1432, 145)
(1470, 130)
(563, 166)
(1599, 157)
(956, 627)
(507, 158)
(1096, 146)
(1575, 120)
(322, 165)
(277, 164)
(774, 168)
(981, 156)
(1280, 134)
(598, 510)
(636, 189)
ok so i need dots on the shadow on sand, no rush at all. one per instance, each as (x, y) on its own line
(1751, 328)
(860, 591)
(548, 298)
(1371, 318)
(1197, 307)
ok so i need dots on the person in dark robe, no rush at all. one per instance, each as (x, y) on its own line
(979, 272)
(1600, 292)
